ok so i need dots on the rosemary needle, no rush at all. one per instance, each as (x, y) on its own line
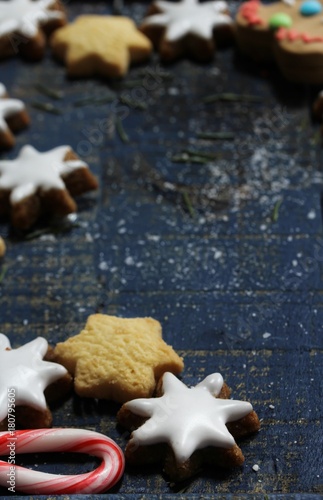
(130, 84)
(95, 101)
(209, 155)
(54, 229)
(121, 131)
(46, 106)
(185, 158)
(188, 203)
(132, 103)
(231, 97)
(54, 94)
(3, 273)
(275, 213)
(224, 136)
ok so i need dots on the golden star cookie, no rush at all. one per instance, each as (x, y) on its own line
(38, 183)
(290, 31)
(187, 427)
(188, 27)
(13, 117)
(116, 358)
(26, 24)
(100, 46)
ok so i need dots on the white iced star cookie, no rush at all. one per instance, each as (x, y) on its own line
(13, 117)
(36, 183)
(25, 24)
(195, 424)
(188, 26)
(24, 376)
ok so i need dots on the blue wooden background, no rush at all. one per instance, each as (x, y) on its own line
(237, 285)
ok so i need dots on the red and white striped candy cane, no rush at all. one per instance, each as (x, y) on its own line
(30, 481)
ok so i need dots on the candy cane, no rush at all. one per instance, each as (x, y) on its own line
(25, 480)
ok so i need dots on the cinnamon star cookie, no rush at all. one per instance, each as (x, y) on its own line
(188, 27)
(26, 24)
(24, 379)
(38, 183)
(187, 427)
(13, 117)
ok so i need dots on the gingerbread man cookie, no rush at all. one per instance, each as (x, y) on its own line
(24, 377)
(26, 24)
(13, 117)
(42, 183)
(187, 427)
(100, 46)
(187, 27)
(290, 31)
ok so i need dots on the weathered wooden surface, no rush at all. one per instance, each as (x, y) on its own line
(237, 290)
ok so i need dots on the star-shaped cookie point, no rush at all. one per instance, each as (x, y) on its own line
(100, 46)
(37, 182)
(171, 25)
(13, 117)
(23, 24)
(198, 424)
(24, 370)
(117, 358)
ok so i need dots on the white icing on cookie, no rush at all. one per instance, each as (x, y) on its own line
(289, 2)
(3, 90)
(26, 16)
(188, 419)
(189, 17)
(33, 170)
(8, 108)
(24, 370)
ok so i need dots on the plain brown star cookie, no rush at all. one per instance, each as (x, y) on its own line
(116, 358)
(100, 46)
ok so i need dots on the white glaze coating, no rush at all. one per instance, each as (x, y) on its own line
(25, 16)
(188, 419)
(33, 170)
(189, 17)
(24, 370)
(8, 108)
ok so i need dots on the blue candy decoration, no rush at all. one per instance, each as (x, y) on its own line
(310, 8)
